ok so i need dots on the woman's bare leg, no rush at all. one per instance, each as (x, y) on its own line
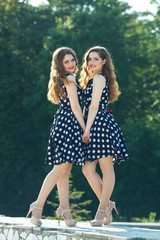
(63, 191)
(106, 165)
(48, 184)
(93, 178)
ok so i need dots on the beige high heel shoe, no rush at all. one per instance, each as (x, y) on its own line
(34, 220)
(99, 223)
(108, 218)
(68, 222)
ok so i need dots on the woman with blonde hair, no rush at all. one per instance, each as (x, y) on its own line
(104, 139)
(65, 141)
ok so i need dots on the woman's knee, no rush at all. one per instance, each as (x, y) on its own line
(69, 168)
(84, 170)
(106, 165)
(88, 169)
(62, 169)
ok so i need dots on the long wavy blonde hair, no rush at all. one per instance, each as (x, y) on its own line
(57, 75)
(107, 70)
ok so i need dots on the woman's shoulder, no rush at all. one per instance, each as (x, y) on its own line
(99, 77)
(71, 78)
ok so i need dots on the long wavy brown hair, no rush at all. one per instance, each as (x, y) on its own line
(107, 70)
(57, 75)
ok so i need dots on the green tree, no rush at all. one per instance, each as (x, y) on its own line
(137, 190)
(21, 38)
(29, 35)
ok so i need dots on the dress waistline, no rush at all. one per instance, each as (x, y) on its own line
(63, 108)
(108, 110)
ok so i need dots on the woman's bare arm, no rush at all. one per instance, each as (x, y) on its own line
(98, 85)
(73, 98)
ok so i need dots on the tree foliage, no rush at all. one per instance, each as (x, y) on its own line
(29, 35)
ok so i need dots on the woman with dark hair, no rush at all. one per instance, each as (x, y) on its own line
(105, 142)
(65, 141)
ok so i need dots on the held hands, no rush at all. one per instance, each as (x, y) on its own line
(86, 137)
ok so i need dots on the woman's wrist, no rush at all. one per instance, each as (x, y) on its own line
(87, 130)
(83, 128)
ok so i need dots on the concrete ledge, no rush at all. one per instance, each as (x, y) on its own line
(139, 225)
(21, 229)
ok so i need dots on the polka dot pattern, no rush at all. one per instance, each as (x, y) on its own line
(65, 140)
(106, 138)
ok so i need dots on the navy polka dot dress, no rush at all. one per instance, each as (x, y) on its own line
(106, 138)
(65, 140)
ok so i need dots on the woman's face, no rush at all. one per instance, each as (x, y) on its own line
(95, 63)
(69, 63)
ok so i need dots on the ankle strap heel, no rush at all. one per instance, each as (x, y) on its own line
(108, 218)
(68, 222)
(99, 223)
(34, 220)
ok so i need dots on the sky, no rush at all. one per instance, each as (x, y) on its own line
(138, 5)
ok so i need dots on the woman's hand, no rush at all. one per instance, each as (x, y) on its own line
(86, 137)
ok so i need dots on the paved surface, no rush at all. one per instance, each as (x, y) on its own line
(83, 230)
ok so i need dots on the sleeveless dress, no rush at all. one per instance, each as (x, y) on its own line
(106, 138)
(65, 140)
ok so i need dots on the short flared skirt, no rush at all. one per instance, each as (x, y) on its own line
(65, 140)
(106, 139)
